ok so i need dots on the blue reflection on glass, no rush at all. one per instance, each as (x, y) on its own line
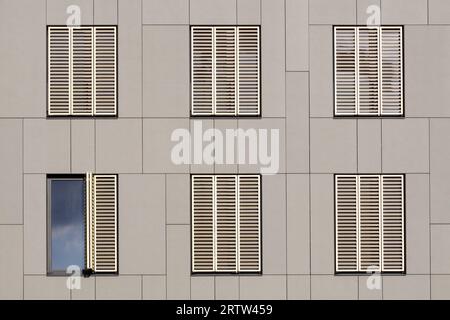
(67, 224)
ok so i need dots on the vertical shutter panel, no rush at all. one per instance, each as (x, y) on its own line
(202, 71)
(248, 71)
(345, 76)
(226, 221)
(82, 70)
(347, 223)
(105, 222)
(369, 221)
(203, 246)
(368, 103)
(225, 70)
(392, 70)
(393, 224)
(58, 71)
(90, 223)
(105, 70)
(249, 223)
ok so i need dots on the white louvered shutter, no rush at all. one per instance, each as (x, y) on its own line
(249, 223)
(393, 224)
(105, 71)
(59, 82)
(392, 70)
(82, 70)
(248, 71)
(368, 71)
(226, 223)
(369, 223)
(102, 223)
(203, 207)
(347, 233)
(202, 82)
(367, 74)
(225, 70)
(345, 76)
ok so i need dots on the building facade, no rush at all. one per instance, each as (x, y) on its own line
(297, 97)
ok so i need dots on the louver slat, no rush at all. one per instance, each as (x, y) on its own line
(82, 71)
(105, 219)
(202, 95)
(368, 76)
(59, 71)
(248, 71)
(225, 70)
(105, 70)
(345, 71)
(346, 224)
(392, 71)
(203, 223)
(249, 223)
(393, 224)
(369, 222)
(226, 221)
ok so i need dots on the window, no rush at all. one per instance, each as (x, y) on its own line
(369, 223)
(225, 71)
(226, 224)
(82, 223)
(82, 71)
(368, 71)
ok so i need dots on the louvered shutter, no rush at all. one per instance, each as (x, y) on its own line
(105, 71)
(202, 96)
(393, 224)
(82, 70)
(392, 70)
(248, 71)
(102, 223)
(369, 223)
(226, 223)
(249, 223)
(59, 82)
(203, 230)
(368, 71)
(345, 70)
(225, 70)
(367, 75)
(347, 223)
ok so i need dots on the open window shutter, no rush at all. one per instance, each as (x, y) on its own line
(203, 230)
(202, 96)
(391, 70)
(226, 223)
(225, 70)
(248, 71)
(393, 224)
(102, 223)
(367, 75)
(369, 223)
(347, 224)
(82, 71)
(105, 70)
(249, 188)
(345, 66)
(59, 42)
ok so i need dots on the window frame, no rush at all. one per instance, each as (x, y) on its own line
(87, 116)
(226, 273)
(225, 116)
(380, 116)
(336, 272)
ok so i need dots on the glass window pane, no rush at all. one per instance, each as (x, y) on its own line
(67, 205)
